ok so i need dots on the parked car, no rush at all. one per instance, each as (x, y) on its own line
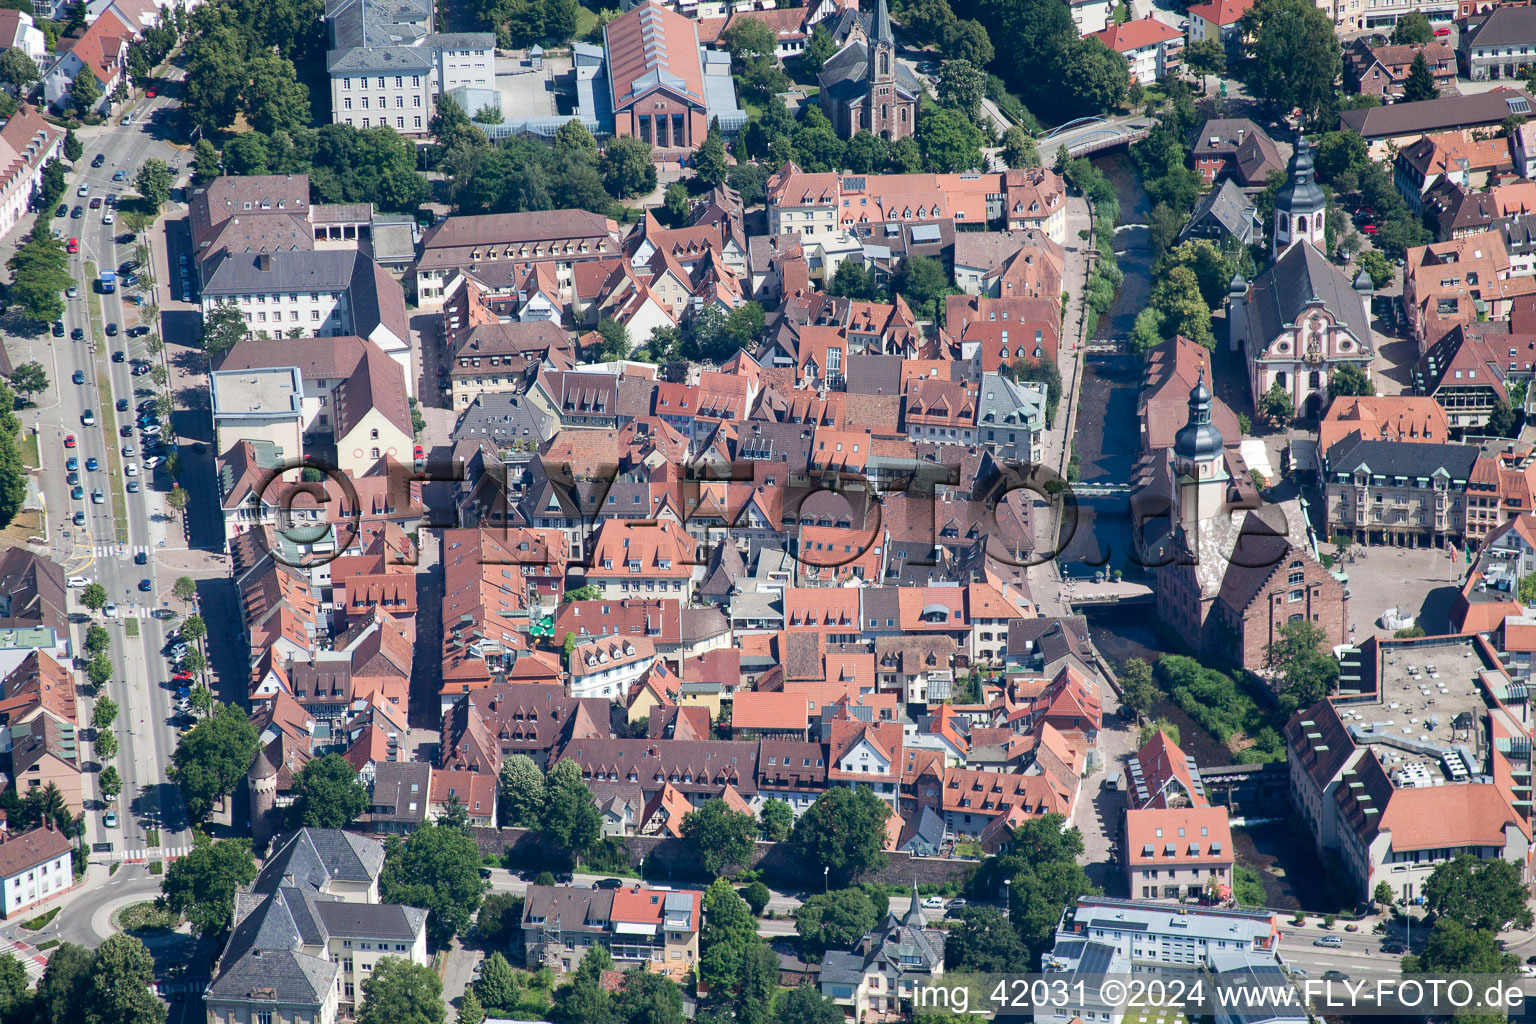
(133, 487)
(608, 883)
(1330, 941)
(76, 582)
(97, 497)
(933, 903)
(58, 328)
(78, 519)
(109, 819)
(112, 332)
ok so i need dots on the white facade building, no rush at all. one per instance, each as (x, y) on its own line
(34, 867)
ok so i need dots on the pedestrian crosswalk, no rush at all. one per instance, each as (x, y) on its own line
(119, 550)
(31, 960)
(152, 853)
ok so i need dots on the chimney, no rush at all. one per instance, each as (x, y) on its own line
(1240, 133)
(264, 261)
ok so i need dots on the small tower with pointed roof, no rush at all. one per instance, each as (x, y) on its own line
(881, 74)
(1199, 463)
(1300, 204)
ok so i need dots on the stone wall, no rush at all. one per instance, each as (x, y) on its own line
(675, 858)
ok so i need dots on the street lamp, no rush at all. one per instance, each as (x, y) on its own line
(1008, 899)
(826, 871)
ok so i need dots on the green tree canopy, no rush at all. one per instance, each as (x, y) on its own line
(201, 886)
(1305, 670)
(720, 835)
(119, 989)
(212, 758)
(983, 942)
(726, 937)
(1413, 27)
(1420, 84)
(521, 797)
(843, 830)
(1480, 895)
(834, 920)
(570, 818)
(437, 868)
(1293, 57)
(777, 818)
(401, 992)
(627, 168)
(327, 794)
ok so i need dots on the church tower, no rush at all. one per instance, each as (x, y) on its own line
(1199, 464)
(1299, 205)
(882, 111)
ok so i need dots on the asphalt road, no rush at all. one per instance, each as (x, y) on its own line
(97, 550)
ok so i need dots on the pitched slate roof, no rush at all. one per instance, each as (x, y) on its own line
(1301, 276)
(315, 856)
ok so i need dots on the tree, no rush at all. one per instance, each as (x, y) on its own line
(854, 280)
(105, 746)
(570, 818)
(587, 592)
(1149, 731)
(1377, 266)
(97, 642)
(201, 886)
(205, 163)
(470, 1010)
(212, 758)
(14, 985)
(1180, 304)
(1137, 691)
(675, 202)
(29, 378)
(646, 997)
(201, 699)
(818, 49)
(39, 274)
(104, 713)
(866, 153)
(194, 662)
(777, 818)
(153, 182)
(120, 985)
(61, 990)
(179, 499)
(983, 942)
(193, 629)
(1453, 948)
(436, 868)
(72, 147)
(757, 896)
(109, 782)
(1038, 896)
(961, 87)
(1276, 404)
(1206, 57)
(951, 142)
(1019, 149)
(521, 797)
(400, 992)
(327, 794)
(726, 936)
(275, 98)
(1294, 55)
(744, 323)
(746, 38)
(1383, 896)
(1348, 380)
(805, 1005)
(1420, 84)
(85, 91)
(967, 40)
(99, 670)
(497, 988)
(843, 830)
(1501, 419)
(834, 920)
(627, 169)
(709, 163)
(222, 327)
(500, 919)
(1305, 672)
(923, 283)
(720, 835)
(615, 343)
(18, 70)
(1412, 28)
(1480, 895)
(94, 596)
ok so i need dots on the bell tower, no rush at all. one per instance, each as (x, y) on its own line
(1300, 205)
(1199, 463)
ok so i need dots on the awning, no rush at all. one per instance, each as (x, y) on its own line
(630, 928)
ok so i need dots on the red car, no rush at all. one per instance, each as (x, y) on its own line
(421, 453)
(1368, 229)
(72, 246)
(150, 92)
(69, 440)
(1442, 31)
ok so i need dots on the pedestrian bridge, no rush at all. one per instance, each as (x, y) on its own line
(1088, 135)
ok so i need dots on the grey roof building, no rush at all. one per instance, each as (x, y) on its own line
(905, 953)
(1222, 213)
(1010, 418)
(326, 860)
(401, 790)
(1497, 44)
(504, 419)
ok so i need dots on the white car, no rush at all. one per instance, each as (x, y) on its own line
(130, 469)
(934, 903)
(109, 819)
(152, 462)
(107, 218)
(110, 611)
(79, 581)
(83, 190)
